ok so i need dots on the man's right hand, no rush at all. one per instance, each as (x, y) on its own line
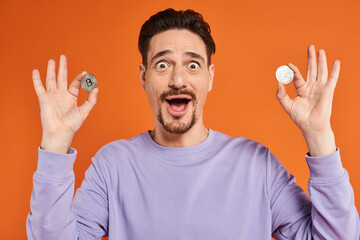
(60, 116)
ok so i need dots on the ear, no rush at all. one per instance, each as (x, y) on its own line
(142, 75)
(211, 77)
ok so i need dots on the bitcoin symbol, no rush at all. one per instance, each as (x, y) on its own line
(88, 82)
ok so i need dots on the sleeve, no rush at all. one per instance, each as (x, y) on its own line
(329, 213)
(53, 213)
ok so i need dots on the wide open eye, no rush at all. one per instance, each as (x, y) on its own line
(193, 65)
(161, 65)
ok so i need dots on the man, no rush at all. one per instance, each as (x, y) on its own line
(183, 180)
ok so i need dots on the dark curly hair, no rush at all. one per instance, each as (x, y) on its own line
(172, 19)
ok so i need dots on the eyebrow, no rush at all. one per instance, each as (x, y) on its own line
(167, 52)
(195, 55)
(160, 54)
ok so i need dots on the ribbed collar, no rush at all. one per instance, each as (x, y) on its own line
(177, 152)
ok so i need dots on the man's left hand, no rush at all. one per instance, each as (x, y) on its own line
(311, 109)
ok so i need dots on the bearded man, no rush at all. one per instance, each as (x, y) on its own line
(182, 180)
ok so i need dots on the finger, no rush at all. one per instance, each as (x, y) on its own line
(283, 98)
(50, 75)
(38, 86)
(298, 79)
(311, 66)
(62, 74)
(322, 68)
(74, 87)
(334, 76)
(89, 103)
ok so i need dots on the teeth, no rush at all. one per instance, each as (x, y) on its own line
(178, 97)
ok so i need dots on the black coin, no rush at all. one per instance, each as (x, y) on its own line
(88, 82)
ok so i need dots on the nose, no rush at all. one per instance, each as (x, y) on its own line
(177, 80)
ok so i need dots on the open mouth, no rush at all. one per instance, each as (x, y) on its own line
(178, 104)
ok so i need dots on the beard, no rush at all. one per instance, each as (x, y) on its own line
(177, 126)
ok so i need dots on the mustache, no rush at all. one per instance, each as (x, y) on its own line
(177, 92)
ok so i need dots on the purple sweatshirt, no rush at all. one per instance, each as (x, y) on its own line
(221, 189)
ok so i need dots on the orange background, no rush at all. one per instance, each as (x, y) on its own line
(252, 38)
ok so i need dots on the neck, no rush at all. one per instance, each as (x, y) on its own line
(194, 136)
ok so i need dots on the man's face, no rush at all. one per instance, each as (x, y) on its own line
(177, 79)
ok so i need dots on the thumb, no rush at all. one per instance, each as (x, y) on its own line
(283, 98)
(89, 103)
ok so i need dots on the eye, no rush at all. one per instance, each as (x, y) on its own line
(194, 65)
(161, 65)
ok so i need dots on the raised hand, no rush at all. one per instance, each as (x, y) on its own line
(60, 116)
(311, 109)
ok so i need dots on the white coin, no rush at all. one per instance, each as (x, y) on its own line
(284, 74)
